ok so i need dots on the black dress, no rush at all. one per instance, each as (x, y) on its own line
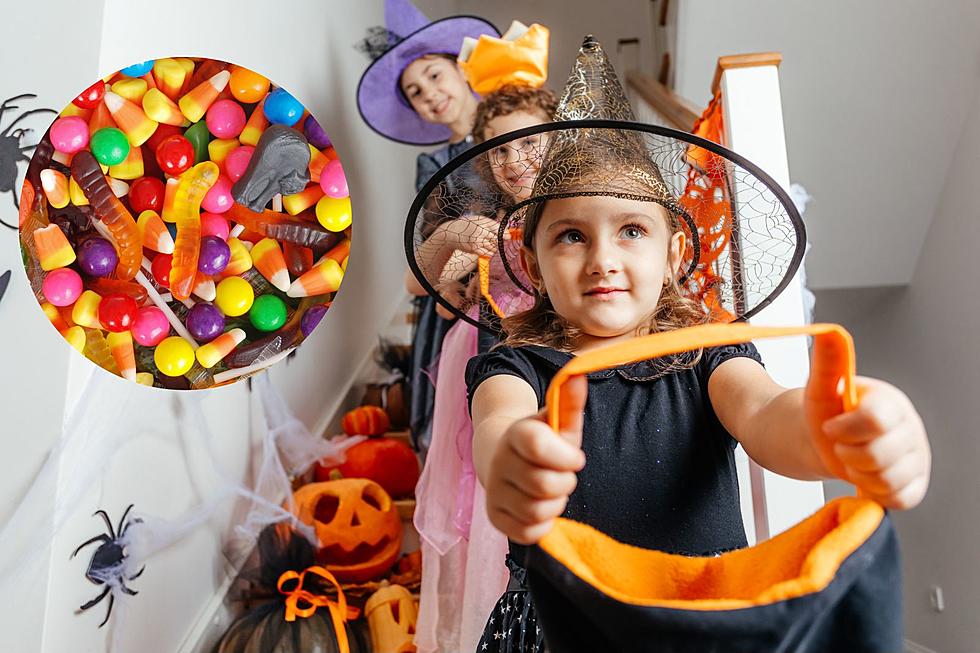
(659, 473)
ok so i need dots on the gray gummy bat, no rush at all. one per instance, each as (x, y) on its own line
(280, 164)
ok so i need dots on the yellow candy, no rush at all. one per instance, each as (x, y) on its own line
(174, 356)
(234, 296)
(75, 193)
(219, 148)
(86, 310)
(131, 88)
(333, 214)
(76, 338)
(144, 378)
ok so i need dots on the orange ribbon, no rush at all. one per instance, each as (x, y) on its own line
(483, 264)
(339, 611)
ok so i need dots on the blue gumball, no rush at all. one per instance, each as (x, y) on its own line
(138, 69)
(281, 108)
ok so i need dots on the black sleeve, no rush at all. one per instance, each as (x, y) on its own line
(715, 356)
(503, 360)
(425, 167)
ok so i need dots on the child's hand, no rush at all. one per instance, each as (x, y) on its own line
(475, 234)
(533, 470)
(880, 446)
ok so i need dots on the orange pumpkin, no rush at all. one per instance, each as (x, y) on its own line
(357, 525)
(391, 615)
(366, 420)
(388, 462)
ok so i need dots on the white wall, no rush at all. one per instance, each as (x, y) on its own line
(924, 340)
(875, 95)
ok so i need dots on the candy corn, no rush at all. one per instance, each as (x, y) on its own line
(86, 310)
(73, 109)
(324, 277)
(318, 161)
(100, 118)
(340, 251)
(299, 202)
(53, 249)
(131, 167)
(118, 187)
(131, 88)
(197, 101)
(153, 232)
(208, 355)
(169, 76)
(76, 337)
(255, 125)
(75, 193)
(269, 260)
(55, 185)
(204, 287)
(159, 107)
(240, 260)
(219, 148)
(51, 311)
(121, 348)
(170, 191)
(130, 118)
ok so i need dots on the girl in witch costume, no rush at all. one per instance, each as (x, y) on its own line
(611, 251)
(415, 93)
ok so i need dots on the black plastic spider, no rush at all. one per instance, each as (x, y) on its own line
(11, 151)
(109, 555)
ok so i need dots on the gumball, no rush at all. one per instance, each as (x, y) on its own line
(90, 97)
(314, 133)
(110, 146)
(174, 356)
(247, 86)
(97, 257)
(281, 108)
(138, 69)
(237, 161)
(117, 312)
(268, 313)
(333, 214)
(205, 322)
(62, 287)
(69, 134)
(218, 199)
(225, 119)
(213, 224)
(333, 181)
(146, 193)
(311, 318)
(162, 133)
(214, 256)
(150, 326)
(175, 154)
(234, 296)
(160, 269)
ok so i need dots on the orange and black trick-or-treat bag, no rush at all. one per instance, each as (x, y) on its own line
(831, 583)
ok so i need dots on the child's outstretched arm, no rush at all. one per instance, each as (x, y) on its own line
(528, 473)
(880, 446)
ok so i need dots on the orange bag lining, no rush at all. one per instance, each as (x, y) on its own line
(797, 562)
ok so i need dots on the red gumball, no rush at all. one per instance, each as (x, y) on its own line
(90, 97)
(146, 193)
(388, 462)
(175, 154)
(160, 268)
(117, 312)
(162, 133)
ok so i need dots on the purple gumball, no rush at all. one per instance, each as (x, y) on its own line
(215, 255)
(314, 133)
(205, 322)
(312, 318)
(97, 257)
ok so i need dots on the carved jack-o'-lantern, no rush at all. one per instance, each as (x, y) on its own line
(357, 524)
(391, 614)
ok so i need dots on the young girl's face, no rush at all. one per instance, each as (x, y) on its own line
(436, 89)
(515, 165)
(603, 262)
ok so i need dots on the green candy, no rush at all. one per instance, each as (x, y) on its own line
(109, 146)
(268, 313)
(199, 136)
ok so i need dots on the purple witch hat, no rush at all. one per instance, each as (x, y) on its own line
(408, 35)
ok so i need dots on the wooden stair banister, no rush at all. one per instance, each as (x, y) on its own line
(678, 112)
(743, 61)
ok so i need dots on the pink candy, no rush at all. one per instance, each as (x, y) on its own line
(225, 119)
(237, 161)
(218, 199)
(213, 224)
(69, 134)
(150, 327)
(333, 182)
(62, 287)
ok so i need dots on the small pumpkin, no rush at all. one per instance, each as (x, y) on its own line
(391, 615)
(388, 462)
(357, 525)
(366, 420)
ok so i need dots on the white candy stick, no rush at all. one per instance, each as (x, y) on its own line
(228, 375)
(162, 305)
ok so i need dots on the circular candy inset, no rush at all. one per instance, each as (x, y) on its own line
(62, 287)
(69, 134)
(268, 313)
(205, 322)
(234, 296)
(174, 356)
(110, 146)
(172, 217)
(97, 257)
